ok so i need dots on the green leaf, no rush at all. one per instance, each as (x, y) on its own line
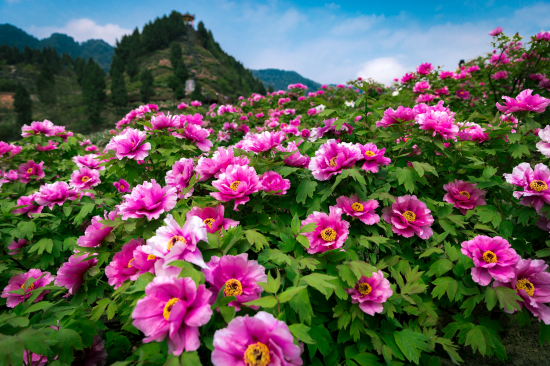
(318, 281)
(544, 334)
(85, 210)
(228, 313)
(38, 306)
(99, 309)
(476, 339)
(308, 228)
(257, 239)
(506, 228)
(26, 228)
(431, 251)
(301, 304)
(34, 341)
(301, 332)
(295, 225)
(405, 176)
(411, 343)
(190, 359)
(43, 244)
(360, 269)
(490, 298)
(264, 302)
(11, 351)
(303, 240)
(306, 188)
(188, 270)
(18, 322)
(289, 293)
(439, 267)
(508, 298)
(519, 150)
(323, 339)
(67, 341)
(366, 359)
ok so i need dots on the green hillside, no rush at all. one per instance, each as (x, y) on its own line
(280, 79)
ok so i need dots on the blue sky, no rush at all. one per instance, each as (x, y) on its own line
(328, 42)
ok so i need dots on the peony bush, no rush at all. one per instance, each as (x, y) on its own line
(357, 225)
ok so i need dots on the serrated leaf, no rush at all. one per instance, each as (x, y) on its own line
(289, 293)
(306, 188)
(411, 343)
(318, 281)
(301, 332)
(264, 302)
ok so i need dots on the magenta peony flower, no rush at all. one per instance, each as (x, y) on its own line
(45, 128)
(29, 169)
(30, 206)
(493, 258)
(332, 158)
(464, 195)
(213, 218)
(400, 115)
(502, 74)
(5, 148)
(196, 103)
(272, 182)
(71, 273)
(130, 144)
(441, 123)
(532, 284)
(96, 231)
(534, 183)
(237, 182)
(85, 178)
(52, 194)
(373, 157)
(331, 231)
(464, 94)
(524, 102)
(59, 131)
(472, 132)
(424, 69)
(142, 261)
(173, 308)
(296, 159)
(88, 161)
(122, 186)
(195, 133)
(148, 200)
(52, 145)
(407, 77)
(212, 167)
(421, 87)
(161, 121)
(446, 74)
(15, 246)
(258, 340)
(544, 145)
(174, 242)
(121, 269)
(363, 210)
(495, 32)
(425, 98)
(91, 148)
(409, 216)
(264, 141)
(180, 175)
(239, 275)
(17, 282)
(371, 292)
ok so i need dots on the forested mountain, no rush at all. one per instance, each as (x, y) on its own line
(280, 79)
(99, 50)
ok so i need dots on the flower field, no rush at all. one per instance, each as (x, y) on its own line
(354, 225)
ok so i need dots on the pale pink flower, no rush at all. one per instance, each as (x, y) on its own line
(130, 144)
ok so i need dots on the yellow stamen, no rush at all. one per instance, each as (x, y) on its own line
(121, 187)
(209, 222)
(465, 194)
(168, 307)
(84, 179)
(328, 234)
(151, 257)
(369, 153)
(257, 354)
(29, 171)
(31, 286)
(357, 207)
(524, 284)
(332, 162)
(409, 216)
(489, 257)
(130, 262)
(174, 240)
(235, 185)
(538, 185)
(233, 287)
(364, 289)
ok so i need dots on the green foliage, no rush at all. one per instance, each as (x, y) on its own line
(146, 90)
(23, 106)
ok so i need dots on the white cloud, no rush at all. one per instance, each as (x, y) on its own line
(84, 29)
(383, 69)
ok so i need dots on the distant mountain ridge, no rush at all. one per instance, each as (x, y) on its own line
(99, 50)
(280, 79)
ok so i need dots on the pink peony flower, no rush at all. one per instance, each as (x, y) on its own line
(121, 269)
(212, 167)
(472, 132)
(180, 175)
(442, 91)
(239, 275)
(173, 309)
(122, 186)
(421, 87)
(424, 69)
(464, 94)
(182, 105)
(45, 128)
(237, 182)
(5, 148)
(532, 284)
(91, 161)
(362, 210)
(500, 75)
(331, 231)
(493, 258)
(148, 200)
(524, 102)
(373, 156)
(464, 195)
(17, 282)
(391, 117)
(71, 273)
(51, 194)
(544, 145)
(262, 340)
(495, 32)
(446, 74)
(196, 103)
(130, 144)
(85, 178)
(161, 122)
(52, 145)
(407, 77)
(96, 231)
(332, 158)
(29, 205)
(197, 134)
(174, 242)
(425, 98)
(272, 182)
(95, 355)
(29, 169)
(409, 216)
(143, 262)
(213, 218)
(296, 159)
(534, 183)
(441, 123)
(371, 292)
(264, 141)
(15, 246)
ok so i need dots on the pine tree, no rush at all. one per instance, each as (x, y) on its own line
(181, 72)
(175, 55)
(93, 90)
(23, 106)
(119, 94)
(79, 67)
(45, 85)
(197, 93)
(146, 90)
(270, 89)
(132, 68)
